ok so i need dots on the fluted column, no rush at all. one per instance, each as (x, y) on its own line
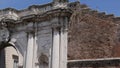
(63, 48)
(55, 48)
(63, 43)
(35, 57)
(30, 51)
(60, 42)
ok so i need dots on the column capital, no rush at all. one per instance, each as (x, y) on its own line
(59, 27)
(55, 47)
(65, 29)
(30, 32)
(30, 50)
(56, 26)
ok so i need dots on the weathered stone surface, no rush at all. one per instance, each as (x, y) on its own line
(91, 37)
(95, 63)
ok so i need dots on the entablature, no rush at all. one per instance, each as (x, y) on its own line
(15, 14)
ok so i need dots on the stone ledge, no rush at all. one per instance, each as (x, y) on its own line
(94, 62)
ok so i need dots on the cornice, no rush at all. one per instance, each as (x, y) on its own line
(45, 16)
(39, 12)
(32, 6)
(60, 12)
(28, 12)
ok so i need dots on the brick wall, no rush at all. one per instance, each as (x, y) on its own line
(92, 37)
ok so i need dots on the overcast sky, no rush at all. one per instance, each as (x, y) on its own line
(108, 6)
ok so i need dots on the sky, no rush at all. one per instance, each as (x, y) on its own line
(108, 6)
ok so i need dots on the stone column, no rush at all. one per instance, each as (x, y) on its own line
(63, 44)
(30, 52)
(55, 48)
(35, 57)
(63, 49)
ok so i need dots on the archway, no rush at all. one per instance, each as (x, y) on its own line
(9, 53)
(3, 45)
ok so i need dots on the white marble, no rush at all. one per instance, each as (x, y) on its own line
(30, 48)
(63, 43)
(35, 57)
(63, 50)
(55, 49)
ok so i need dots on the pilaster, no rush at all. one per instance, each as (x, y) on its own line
(60, 42)
(35, 57)
(30, 50)
(63, 43)
(55, 48)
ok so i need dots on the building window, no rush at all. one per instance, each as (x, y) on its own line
(15, 61)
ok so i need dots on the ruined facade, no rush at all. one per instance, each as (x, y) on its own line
(59, 34)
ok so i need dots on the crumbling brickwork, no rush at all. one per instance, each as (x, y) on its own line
(91, 36)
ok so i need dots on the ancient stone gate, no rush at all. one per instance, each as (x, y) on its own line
(39, 34)
(39, 37)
